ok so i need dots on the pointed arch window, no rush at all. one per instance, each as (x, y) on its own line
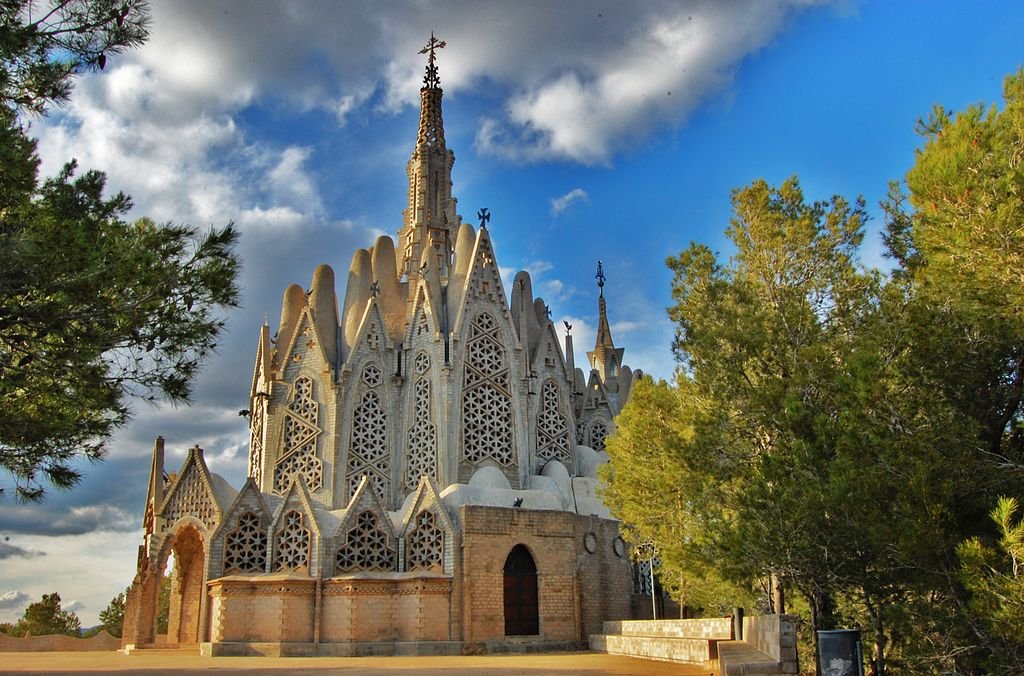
(553, 436)
(301, 433)
(369, 454)
(425, 544)
(366, 547)
(291, 551)
(486, 399)
(245, 547)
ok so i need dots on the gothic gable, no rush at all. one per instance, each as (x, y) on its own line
(191, 494)
(365, 538)
(304, 348)
(242, 539)
(482, 286)
(428, 534)
(294, 533)
(424, 321)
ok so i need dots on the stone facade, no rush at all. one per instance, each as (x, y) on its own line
(429, 376)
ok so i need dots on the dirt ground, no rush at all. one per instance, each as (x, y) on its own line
(546, 664)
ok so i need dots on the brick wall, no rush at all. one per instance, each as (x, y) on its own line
(394, 607)
(577, 588)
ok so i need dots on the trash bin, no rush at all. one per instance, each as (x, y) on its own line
(839, 652)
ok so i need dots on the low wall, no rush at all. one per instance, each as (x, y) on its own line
(774, 635)
(58, 642)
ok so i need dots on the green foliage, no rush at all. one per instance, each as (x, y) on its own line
(92, 310)
(803, 437)
(45, 617)
(163, 604)
(44, 45)
(112, 617)
(995, 577)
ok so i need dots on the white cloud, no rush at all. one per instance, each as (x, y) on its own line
(13, 600)
(560, 204)
(87, 569)
(72, 606)
(661, 63)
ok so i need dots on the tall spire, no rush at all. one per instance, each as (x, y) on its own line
(604, 333)
(606, 359)
(430, 219)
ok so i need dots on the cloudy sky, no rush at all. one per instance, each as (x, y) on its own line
(591, 130)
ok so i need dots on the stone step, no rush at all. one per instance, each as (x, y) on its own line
(671, 649)
(716, 628)
(738, 658)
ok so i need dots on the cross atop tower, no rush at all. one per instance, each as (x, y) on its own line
(430, 79)
(600, 278)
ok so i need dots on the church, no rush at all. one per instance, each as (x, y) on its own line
(422, 464)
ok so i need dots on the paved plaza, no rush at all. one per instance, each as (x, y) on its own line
(161, 662)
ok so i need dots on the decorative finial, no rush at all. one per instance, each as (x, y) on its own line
(568, 326)
(430, 79)
(375, 288)
(485, 216)
(600, 277)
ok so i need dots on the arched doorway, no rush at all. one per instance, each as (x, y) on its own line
(521, 607)
(186, 587)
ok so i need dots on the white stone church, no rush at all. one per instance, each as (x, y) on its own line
(422, 465)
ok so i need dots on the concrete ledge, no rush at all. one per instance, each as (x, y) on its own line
(717, 628)
(738, 658)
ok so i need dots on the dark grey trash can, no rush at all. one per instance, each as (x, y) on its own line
(839, 652)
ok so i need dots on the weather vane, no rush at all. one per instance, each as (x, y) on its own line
(430, 79)
(600, 277)
(485, 216)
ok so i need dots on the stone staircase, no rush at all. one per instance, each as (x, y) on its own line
(769, 648)
(685, 641)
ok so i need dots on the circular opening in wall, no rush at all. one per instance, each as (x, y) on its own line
(590, 542)
(619, 546)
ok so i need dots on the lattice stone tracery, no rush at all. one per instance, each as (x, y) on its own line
(372, 375)
(422, 438)
(486, 399)
(368, 453)
(366, 547)
(425, 544)
(245, 547)
(301, 431)
(422, 363)
(291, 549)
(191, 498)
(598, 433)
(553, 441)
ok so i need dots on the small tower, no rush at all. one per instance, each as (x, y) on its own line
(605, 358)
(430, 220)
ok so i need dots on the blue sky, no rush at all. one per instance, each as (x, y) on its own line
(591, 130)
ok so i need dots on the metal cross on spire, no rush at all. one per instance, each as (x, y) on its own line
(430, 79)
(600, 277)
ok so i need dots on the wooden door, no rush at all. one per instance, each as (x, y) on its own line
(521, 606)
